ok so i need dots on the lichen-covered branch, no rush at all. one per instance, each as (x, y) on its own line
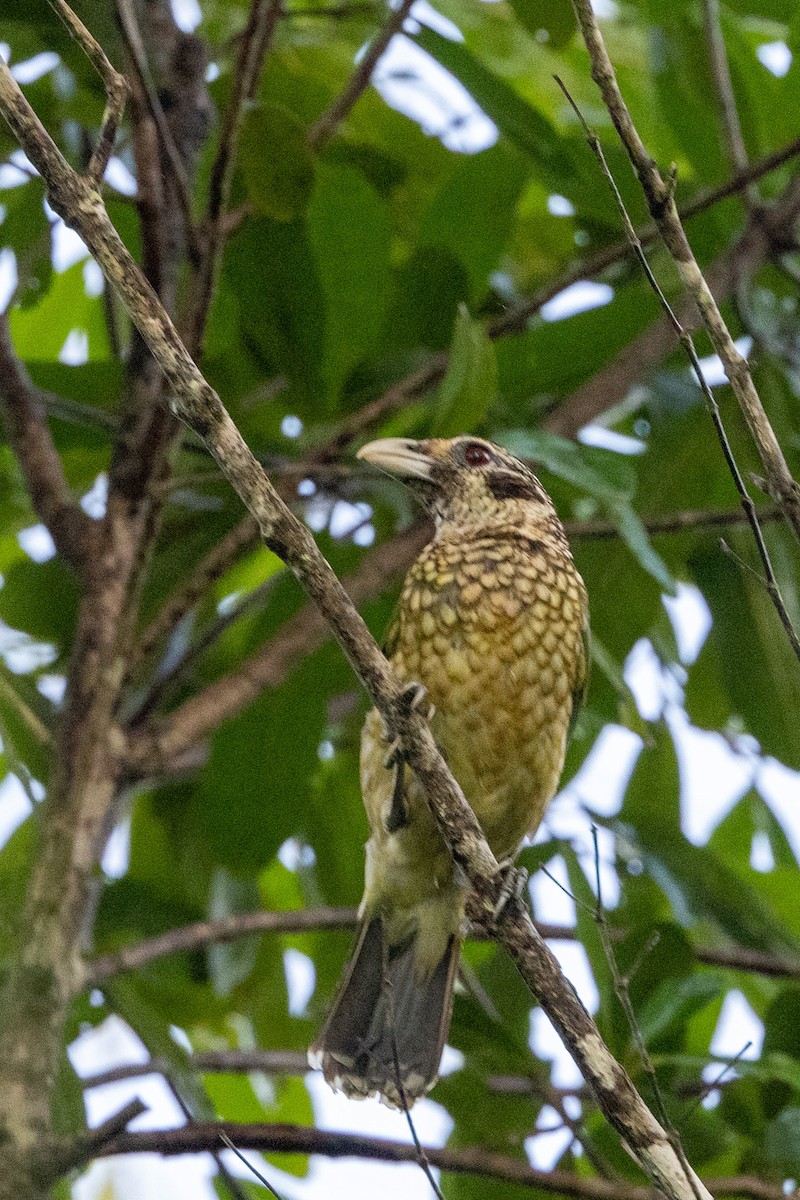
(661, 202)
(72, 530)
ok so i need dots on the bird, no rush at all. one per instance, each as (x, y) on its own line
(492, 622)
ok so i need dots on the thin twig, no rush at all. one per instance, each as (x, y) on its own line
(422, 1157)
(116, 87)
(210, 1062)
(261, 1178)
(769, 581)
(135, 47)
(72, 530)
(622, 991)
(721, 72)
(661, 202)
(326, 125)
(255, 43)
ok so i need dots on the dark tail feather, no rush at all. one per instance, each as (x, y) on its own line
(383, 1010)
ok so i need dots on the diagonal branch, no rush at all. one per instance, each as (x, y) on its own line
(723, 85)
(195, 402)
(72, 530)
(326, 125)
(661, 202)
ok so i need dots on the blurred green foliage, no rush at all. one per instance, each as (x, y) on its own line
(350, 268)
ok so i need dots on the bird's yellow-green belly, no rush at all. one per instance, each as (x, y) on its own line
(502, 713)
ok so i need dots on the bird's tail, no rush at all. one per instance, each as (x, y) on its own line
(388, 1025)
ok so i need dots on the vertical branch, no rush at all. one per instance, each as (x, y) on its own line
(255, 43)
(720, 70)
(660, 200)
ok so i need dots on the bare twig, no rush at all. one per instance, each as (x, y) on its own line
(721, 72)
(261, 1178)
(115, 84)
(769, 580)
(253, 48)
(622, 991)
(72, 530)
(422, 1158)
(211, 1062)
(326, 125)
(477, 1160)
(135, 47)
(660, 200)
(226, 929)
(194, 401)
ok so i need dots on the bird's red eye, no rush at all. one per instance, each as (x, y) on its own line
(476, 455)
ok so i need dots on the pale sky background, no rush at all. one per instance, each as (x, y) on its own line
(713, 776)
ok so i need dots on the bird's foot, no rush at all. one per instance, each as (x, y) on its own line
(414, 697)
(513, 883)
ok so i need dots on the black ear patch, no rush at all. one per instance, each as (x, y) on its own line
(505, 485)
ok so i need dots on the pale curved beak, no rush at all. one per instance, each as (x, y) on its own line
(398, 456)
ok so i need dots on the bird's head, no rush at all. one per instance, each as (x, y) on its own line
(464, 480)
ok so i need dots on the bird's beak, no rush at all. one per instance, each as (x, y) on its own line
(398, 456)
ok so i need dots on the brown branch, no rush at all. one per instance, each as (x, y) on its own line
(194, 401)
(136, 52)
(723, 85)
(211, 1062)
(201, 934)
(115, 85)
(226, 929)
(253, 47)
(188, 593)
(660, 200)
(611, 383)
(326, 125)
(589, 400)
(292, 1139)
(72, 530)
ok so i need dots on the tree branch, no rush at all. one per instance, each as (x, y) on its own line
(326, 125)
(195, 402)
(291, 1139)
(72, 530)
(723, 85)
(201, 934)
(660, 200)
(115, 85)
(611, 383)
(253, 47)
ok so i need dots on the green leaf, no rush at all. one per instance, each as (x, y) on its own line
(468, 389)
(276, 162)
(348, 230)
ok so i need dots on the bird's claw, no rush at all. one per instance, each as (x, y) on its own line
(393, 753)
(413, 696)
(513, 882)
